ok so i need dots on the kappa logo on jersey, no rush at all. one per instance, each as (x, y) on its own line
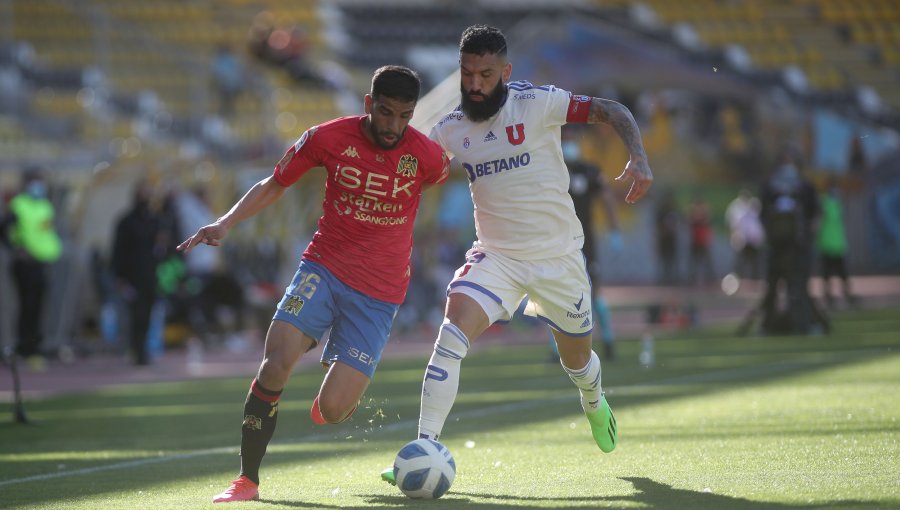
(407, 166)
(350, 152)
(515, 134)
(293, 306)
(490, 137)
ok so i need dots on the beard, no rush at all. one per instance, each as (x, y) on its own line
(379, 140)
(480, 111)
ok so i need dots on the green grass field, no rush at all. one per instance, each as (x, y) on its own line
(720, 422)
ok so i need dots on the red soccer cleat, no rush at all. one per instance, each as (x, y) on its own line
(242, 489)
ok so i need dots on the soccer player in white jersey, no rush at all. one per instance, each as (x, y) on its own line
(506, 135)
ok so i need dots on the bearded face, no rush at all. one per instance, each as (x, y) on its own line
(479, 107)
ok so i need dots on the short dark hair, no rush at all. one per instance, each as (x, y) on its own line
(32, 173)
(396, 82)
(481, 39)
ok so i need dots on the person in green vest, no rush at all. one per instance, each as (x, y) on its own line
(35, 245)
(832, 244)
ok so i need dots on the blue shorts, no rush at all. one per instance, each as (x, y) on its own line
(360, 325)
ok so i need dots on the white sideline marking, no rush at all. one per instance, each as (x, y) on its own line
(305, 439)
(718, 375)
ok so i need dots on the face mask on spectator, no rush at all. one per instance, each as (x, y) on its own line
(37, 189)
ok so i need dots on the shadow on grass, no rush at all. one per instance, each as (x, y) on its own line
(656, 495)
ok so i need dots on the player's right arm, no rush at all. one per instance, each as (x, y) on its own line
(263, 194)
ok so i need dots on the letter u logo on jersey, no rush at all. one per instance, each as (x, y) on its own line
(515, 135)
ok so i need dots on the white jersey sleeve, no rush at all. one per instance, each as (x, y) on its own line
(516, 173)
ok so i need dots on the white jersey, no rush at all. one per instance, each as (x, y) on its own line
(517, 177)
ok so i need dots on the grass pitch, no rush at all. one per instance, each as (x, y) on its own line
(719, 422)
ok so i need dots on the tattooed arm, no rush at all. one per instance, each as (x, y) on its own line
(619, 117)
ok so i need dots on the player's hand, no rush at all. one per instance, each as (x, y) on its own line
(210, 234)
(638, 170)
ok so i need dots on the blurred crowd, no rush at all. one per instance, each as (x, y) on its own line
(141, 296)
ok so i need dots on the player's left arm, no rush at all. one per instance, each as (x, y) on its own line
(620, 118)
(444, 173)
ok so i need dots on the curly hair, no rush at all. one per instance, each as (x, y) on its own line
(482, 39)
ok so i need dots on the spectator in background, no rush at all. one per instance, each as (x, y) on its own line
(701, 264)
(283, 47)
(832, 244)
(258, 37)
(790, 209)
(747, 234)
(136, 255)
(228, 78)
(587, 186)
(667, 224)
(30, 234)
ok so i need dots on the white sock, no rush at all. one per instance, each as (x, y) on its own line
(441, 380)
(587, 379)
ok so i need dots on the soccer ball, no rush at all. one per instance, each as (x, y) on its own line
(424, 469)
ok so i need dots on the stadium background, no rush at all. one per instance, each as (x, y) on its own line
(101, 92)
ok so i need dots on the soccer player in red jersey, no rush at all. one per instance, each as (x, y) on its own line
(354, 274)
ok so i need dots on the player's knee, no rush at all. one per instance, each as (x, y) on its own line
(451, 342)
(335, 411)
(274, 372)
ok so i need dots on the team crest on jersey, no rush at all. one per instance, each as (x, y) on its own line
(515, 134)
(350, 152)
(379, 158)
(407, 166)
(293, 306)
(466, 142)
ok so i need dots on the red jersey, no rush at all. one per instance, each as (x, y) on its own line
(371, 200)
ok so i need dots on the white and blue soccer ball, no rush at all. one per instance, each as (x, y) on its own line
(424, 469)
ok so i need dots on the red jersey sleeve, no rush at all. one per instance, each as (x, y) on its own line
(439, 163)
(299, 158)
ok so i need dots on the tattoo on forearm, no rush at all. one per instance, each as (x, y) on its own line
(620, 118)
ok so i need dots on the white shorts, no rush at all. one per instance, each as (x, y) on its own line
(558, 289)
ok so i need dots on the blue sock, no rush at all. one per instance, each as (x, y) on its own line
(604, 320)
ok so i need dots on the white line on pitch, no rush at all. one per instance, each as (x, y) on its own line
(718, 375)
